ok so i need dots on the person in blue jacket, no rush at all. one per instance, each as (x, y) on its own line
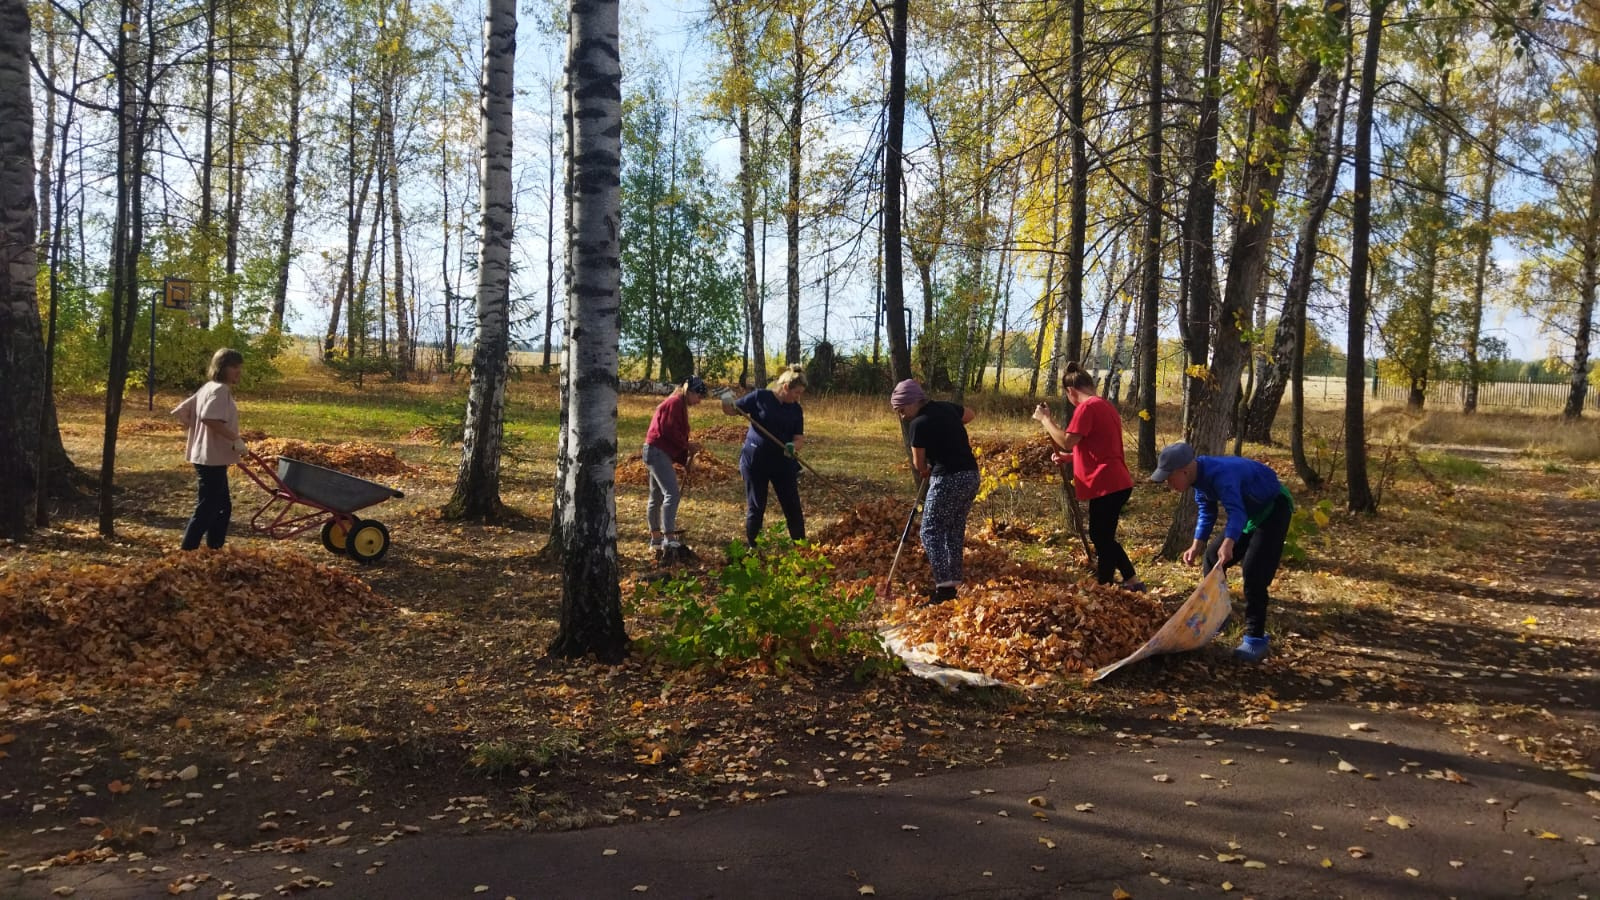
(1259, 508)
(771, 457)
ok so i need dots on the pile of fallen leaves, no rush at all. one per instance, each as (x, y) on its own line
(863, 543)
(1029, 632)
(1015, 620)
(725, 433)
(707, 469)
(1029, 457)
(359, 458)
(181, 615)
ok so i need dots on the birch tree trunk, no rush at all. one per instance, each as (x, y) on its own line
(591, 596)
(477, 493)
(1588, 287)
(1321, 179)
(21, 350)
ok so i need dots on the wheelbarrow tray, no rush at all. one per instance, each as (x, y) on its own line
(331, 488)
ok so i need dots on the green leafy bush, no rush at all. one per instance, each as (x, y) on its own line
(774, 604)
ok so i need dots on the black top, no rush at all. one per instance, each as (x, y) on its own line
(939, 431)
(786, 421)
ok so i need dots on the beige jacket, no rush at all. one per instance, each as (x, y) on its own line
(213, 402)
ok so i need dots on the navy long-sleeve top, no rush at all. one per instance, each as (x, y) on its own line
(786, 421)
(1244, 487)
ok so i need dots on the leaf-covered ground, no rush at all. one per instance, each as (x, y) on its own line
(1469, 603)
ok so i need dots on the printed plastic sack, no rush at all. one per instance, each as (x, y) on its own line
(1191, 627)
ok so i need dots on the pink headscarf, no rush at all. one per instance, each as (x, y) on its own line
(907, 393)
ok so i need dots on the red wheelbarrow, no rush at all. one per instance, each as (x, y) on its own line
(333, 497)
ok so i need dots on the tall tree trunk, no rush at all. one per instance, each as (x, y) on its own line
(1150, 257)
(1418, 357)
(57, 473)
(1078, 228)
(1484, 238)
(893, 160)
(791, 210)
(1199, 230)
(1360, 498)
(47, 152)
(477, 491)
(1321, 179)
(550, 239)
(1277, 101)
(403, 351)
(1588, 286)
(1113, 388)
(234, 208)
(208, 163)
(591, 600)
(291, 176)
(1046, 316)
(754, 312)
(22, 363)
(448, 284)
(133, 91)
(352, 229)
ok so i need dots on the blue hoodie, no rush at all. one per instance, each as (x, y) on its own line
(1244, 487)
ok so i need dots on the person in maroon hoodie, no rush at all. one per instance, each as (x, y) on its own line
(665, 443)
(1093, 439)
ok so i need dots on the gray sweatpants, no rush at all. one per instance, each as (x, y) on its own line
(662, 510)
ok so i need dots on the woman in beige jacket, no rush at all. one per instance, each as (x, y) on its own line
(214, 445)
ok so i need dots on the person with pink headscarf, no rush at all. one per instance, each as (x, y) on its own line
(942, 455)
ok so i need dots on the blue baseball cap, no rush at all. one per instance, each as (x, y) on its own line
(1174, 457)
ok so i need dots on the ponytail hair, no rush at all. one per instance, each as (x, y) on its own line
(1077, 379)
(793, 375)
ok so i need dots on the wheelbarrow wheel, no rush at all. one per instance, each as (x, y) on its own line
(335, 539)
(369, 541)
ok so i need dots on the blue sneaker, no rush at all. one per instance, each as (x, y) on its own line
(1251, 649)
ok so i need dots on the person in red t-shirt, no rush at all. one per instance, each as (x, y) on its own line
(1093, 440)
(665, 443)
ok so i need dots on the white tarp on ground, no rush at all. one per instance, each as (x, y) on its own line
(1190, 628)
(922, 662)
(1193, 626)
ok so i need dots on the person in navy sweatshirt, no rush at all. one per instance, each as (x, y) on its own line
(770, 457)
(1259, 508)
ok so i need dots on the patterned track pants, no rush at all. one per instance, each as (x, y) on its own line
(944, 523)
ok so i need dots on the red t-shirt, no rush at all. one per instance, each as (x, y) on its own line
(669, 428)
(1097, 462)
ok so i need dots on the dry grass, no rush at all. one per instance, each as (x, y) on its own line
(1538, 435)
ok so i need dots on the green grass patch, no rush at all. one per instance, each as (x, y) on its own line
(1458, 468)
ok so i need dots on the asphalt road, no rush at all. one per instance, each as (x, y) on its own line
(1150, 810)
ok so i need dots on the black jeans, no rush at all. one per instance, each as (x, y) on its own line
(1104, 514)
(781, 473)
(1258, 554)
(212, 510)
